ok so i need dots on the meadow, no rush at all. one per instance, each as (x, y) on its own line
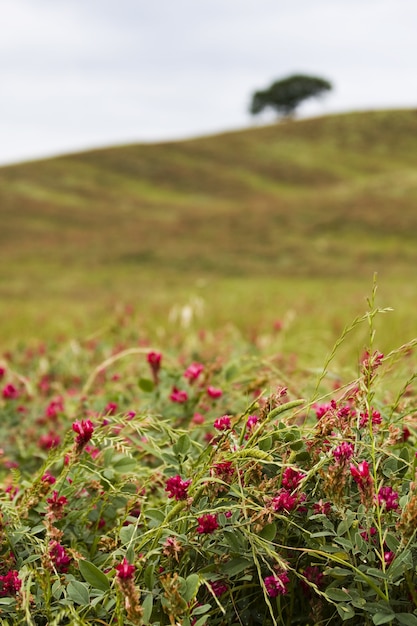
(207, 380)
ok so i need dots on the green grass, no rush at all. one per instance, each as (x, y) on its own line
(291, 217)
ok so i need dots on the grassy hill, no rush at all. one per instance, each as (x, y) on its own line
(325, 198)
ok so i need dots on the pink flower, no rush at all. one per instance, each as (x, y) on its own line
(322, 507)
(48, 478)
(84, 430)
(177, 487)
(207, 524)
(193, 371)
(219, 587)
(364, 481)
(284, 501)
(343, 452)
(56, 505)
(214, 392)
(224, 470)
(222, 423)
(322, 409)
(10, 584)
(291, 478)
(388, 497)
(178, 395)
(198, 418)
(59, 557)
(125, 571)
(376, 418)
(49, 440)
(54, 408)
(110, 408)
(360, 473)
(276, 585)
(252, 421)
(154, 360)
(10, 392)
(389, 557)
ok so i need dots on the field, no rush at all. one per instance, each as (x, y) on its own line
(207, 380)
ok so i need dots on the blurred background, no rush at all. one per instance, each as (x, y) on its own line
(133, 173)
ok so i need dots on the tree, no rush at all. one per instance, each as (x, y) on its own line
(285, 95)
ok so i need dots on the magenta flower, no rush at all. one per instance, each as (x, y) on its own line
(360, 473)
(291, 478)
(214, 392)
(343, 452)
(364, 481)
(389, 498)
(389, 557)
(56, 504)
(48, 441)
(277, 585)
(219, 587)
(59, 557)
(178, 395)
(10, 392)
(207, 524)
(48, 478)
(10, 584)
(375, 418)
(222, 423)
(322, 507)
(125, 571)
(314, 575)
(193, 371)
(110, 408)
(177, 487)
(285, 501)
(154, 360)
(84, 430)
(224, 470)
(252, 421)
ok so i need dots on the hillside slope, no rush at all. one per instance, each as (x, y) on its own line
(331, 196)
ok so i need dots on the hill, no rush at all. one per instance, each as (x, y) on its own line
(325, 197)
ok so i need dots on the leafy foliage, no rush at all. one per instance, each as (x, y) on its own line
(194, 487)
(284, 96)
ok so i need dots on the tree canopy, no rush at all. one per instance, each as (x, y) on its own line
(285, 95)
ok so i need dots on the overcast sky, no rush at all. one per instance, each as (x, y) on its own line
(77, 74)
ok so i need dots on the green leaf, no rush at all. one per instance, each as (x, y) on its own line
(94, 576)
(149, 576)
(269, 532)
(78, 592)
(182, 445)
(155, 516)
(127, 533)
(382, 618)
(265, 444)
(146, 385)
(199, 610)
(147, 606)
(192, 584)
(235, 566)
(337, 595)
(345, 611)
(406, 618)
(125, 465)
(201, 621)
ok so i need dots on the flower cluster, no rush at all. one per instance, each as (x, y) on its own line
(177, 487)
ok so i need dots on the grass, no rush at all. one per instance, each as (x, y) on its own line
(258, 223)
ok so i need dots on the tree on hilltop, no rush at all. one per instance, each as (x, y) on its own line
(285, 95)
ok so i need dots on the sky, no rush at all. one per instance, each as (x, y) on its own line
(80, 74)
